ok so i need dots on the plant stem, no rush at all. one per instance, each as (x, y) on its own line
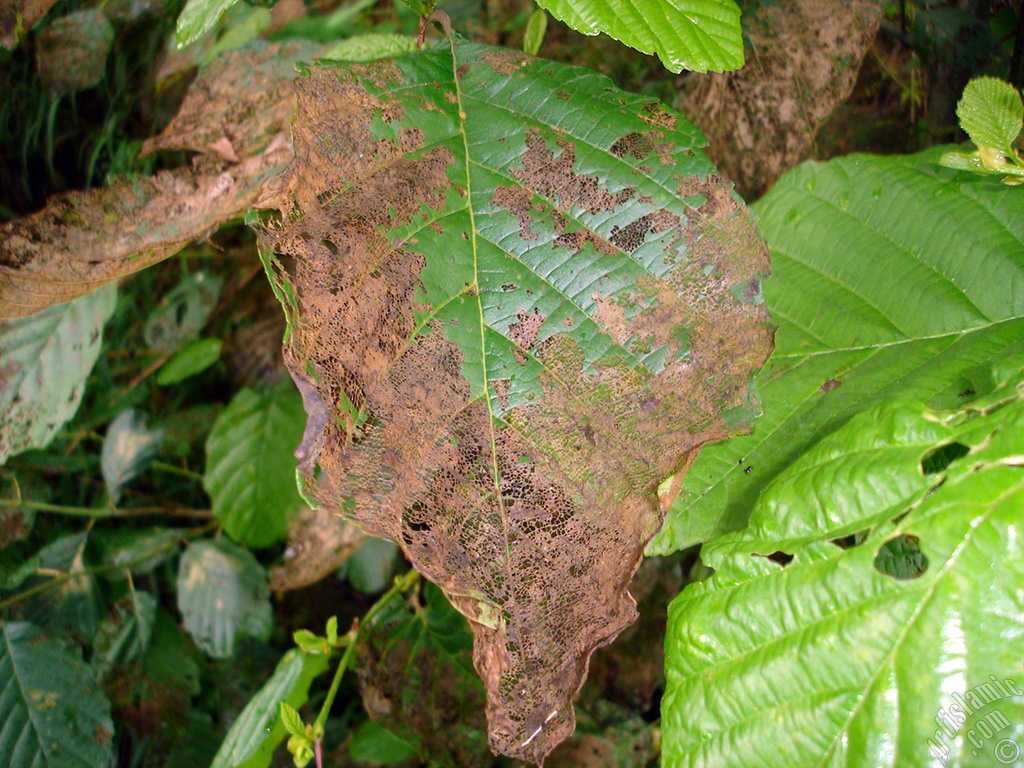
(103, 512)
(176, 470)
(401, 584)
(98, 569)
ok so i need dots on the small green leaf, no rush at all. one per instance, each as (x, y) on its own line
(332, 630)
(310, 642)
(379, 746)
(991, 113)
(193, 359)
(258, 730)
(199, 17)
(127, 450)
(700, 35)
(182, 313)
(44, 361)
(222, 594)
(369, 47)
(250, 470)
(52, 712)
(535, 29)
(291, 719)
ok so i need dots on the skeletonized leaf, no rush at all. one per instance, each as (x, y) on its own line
(700, 35)
(900, 648)
(53, 714)
(250, 469)
(520, 298)
(222, 595)
(892, 278)
(258, 730)
(44, 362)
(127, 450)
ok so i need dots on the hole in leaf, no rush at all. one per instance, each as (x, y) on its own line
(852, 540)
(782, 558)
(901, 558)
(938, 459)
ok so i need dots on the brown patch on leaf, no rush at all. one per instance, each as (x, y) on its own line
(318, 542)
(19, 16)
(534, 519)
(519, 202)
(506, 62)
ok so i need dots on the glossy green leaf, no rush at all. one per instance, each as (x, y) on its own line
(258, 730)
(991, 113)
(250, 466)
(199, 17)
(892, 278)
(903, 649)
(128, 447)
(700, 35)
(222, 595)
(193, 359)
(52, 713)
(370, 46)
(378, 746)
(518, 299)
(44, 361)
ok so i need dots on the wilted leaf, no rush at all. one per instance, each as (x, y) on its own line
(520, 298)
(71, 51)
(318, 542)
(902, 648)
(685, 34)
(128, 447)
(193, 359)
(416, 681)
(250, 469)
(258, 730)
(222, 595)
(44, 362)
(53, 713)
(84, 240)
(851, 335)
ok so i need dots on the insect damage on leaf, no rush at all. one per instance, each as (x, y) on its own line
(522, 318)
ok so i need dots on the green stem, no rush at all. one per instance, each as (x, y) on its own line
(98, 569)
(102, 512)
(401, 584)
(181, 471)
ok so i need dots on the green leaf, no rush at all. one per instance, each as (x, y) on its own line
(370, 46)
(71, 606)
(892, 278)
(193, 359)
(250, 466)
(700, 35)
(44, 361)
(535, 29)
(291, 719)
(258, 730)
(139, 550)
(520, 298)
(125, 632)
(378, 746)
(182, 313)
(53, 713)
(991, 113)
(128, 447)
(199, 17)
(370, 567)
(222, 594)
(899, 650)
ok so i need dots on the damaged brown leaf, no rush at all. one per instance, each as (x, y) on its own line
(83, 240)
(525, 298)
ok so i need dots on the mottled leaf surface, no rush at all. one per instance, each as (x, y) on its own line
(899, 646)
(44, 362)
(518, 299)
(52, 712)
(892, 278)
